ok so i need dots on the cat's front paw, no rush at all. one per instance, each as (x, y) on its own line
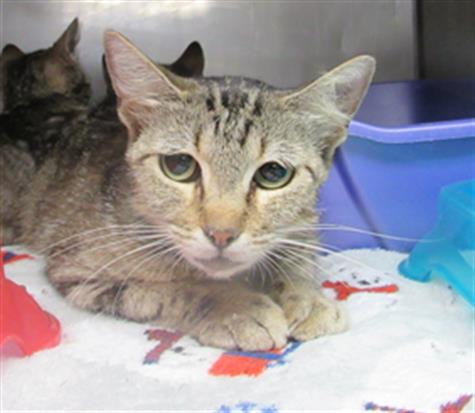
(310, 314)
(252, 322)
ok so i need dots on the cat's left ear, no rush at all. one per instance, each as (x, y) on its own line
(67, 42)
(336, 96)
(10, 53)
(139, 83)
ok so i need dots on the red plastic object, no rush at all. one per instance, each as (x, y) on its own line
(24, 327)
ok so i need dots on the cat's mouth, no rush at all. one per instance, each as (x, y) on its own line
(219, 267)
(218, 263)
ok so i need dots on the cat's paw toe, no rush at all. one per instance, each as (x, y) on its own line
(314, 316)
(258, 326)
(297, 308)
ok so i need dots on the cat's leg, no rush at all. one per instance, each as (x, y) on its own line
(218, 313)
(309, 312)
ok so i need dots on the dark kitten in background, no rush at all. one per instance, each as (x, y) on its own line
(190, 64)
(42, 92)
(43, 74)
(45, 95)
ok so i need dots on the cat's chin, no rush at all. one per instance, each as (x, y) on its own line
(219, 268)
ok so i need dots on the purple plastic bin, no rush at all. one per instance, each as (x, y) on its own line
(407, 141)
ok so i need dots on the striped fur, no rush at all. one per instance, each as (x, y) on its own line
(123, 238)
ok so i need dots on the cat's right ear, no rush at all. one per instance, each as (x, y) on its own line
(10, 53)
(337, 95)
(191, 62)
(66, 44)
(139, 84)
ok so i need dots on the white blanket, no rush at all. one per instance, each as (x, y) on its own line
(410, 348)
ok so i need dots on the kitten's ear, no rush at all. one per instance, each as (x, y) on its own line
(68, 41)
(337, 95)
(191, 62)
(139, 84)
(9, 53)
(107, 78)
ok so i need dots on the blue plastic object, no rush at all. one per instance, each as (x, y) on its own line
(408, 140)
(448, 251)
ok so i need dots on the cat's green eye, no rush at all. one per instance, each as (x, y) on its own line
(272, 175)
(180, 167)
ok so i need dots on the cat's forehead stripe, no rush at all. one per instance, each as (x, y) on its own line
(235, 103)
(198, 138)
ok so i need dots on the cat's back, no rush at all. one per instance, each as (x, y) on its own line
(68, 190)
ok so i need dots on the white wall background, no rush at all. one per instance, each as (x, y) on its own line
(282, 42)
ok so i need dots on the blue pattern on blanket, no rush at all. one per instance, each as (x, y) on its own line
(247, 407)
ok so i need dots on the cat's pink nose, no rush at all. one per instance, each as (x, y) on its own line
(221, 238)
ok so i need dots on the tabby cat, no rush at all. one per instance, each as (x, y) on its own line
(45, 93)
(206, 224)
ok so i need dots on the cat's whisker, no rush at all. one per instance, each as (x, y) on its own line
(298, 255)
(316, 248)
(277, 260)
(251, 274)
(332, 250)
(268, 275)
(123, 240)
(298, 245)
(155, 254)
(292, 262)
(177, 257)
(120, 257)
(313, 244)
(275, 264)
(330, 246)
(118, 228)
(262, 275)
(338, 227)
(261, 267)
(177, 231)
(262, 239)
(344, 256)
(119, 234)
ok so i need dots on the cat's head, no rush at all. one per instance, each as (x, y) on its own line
(228, 165)
(191, 63)
(42, 74)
